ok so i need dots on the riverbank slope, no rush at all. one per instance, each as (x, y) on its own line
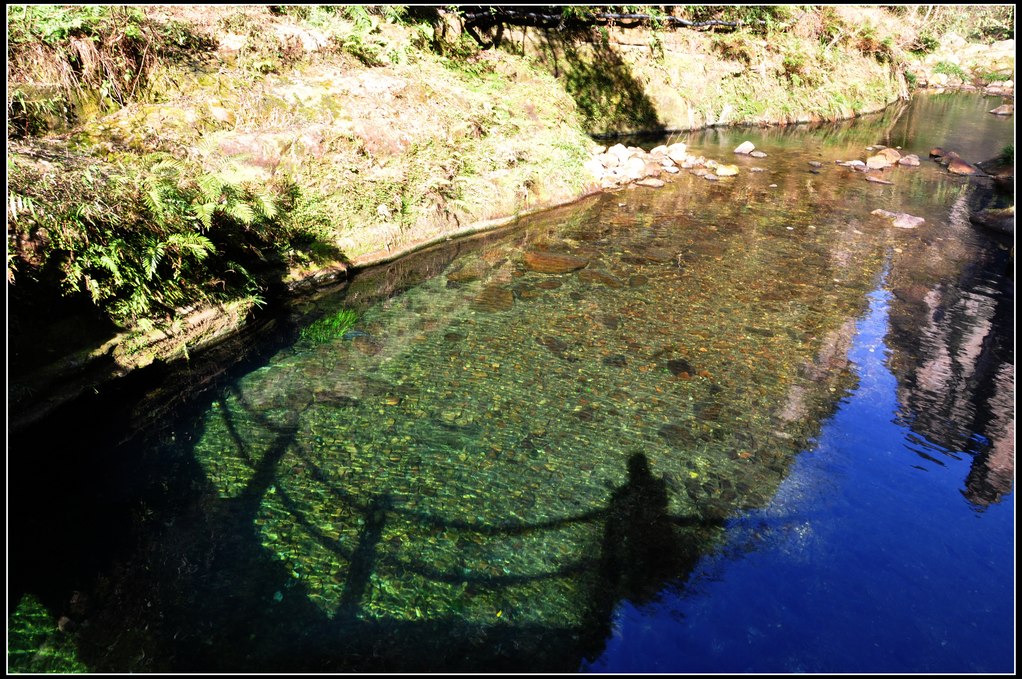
(154, 204)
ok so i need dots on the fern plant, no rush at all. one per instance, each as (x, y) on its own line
(173, 192)
(142, 241)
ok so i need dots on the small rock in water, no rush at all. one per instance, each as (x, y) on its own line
(525, 292)
(677, 152)
(877, 180)
(556, 346)
(815, 163)
(677, 366)
(1004, 110)
(758, 154)
(912, 160)
(906, 221)
(595, 276)
(366, 345)
(638, 280)
(948, 156)
(550, 262)
(959, 166)
(651, 182)
(892, 155)
(745, 148)
(653, 254)
(877, 162)
(707, 410)
(494, 298)
(471, 271)
(675, 434)
(901, 220)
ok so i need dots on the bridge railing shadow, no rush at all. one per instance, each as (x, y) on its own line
(163, 572)
(637, 546)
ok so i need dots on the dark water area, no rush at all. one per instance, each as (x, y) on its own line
(716, 427)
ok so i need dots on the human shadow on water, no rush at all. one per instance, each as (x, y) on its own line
(199, 587)
(644, 548)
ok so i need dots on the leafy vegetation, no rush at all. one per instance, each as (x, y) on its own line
(66, 59)
(1008, 154)
(172, 203)
(981, 23)
(948, 68)
(142, 240)
(769, 16)
(331, 327)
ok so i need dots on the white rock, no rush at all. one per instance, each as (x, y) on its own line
(745, 147)
(620, 151)
(677, 152)
(595, 168)
(901, 220)
(635, 168)
(608, 160)
(877, 162)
